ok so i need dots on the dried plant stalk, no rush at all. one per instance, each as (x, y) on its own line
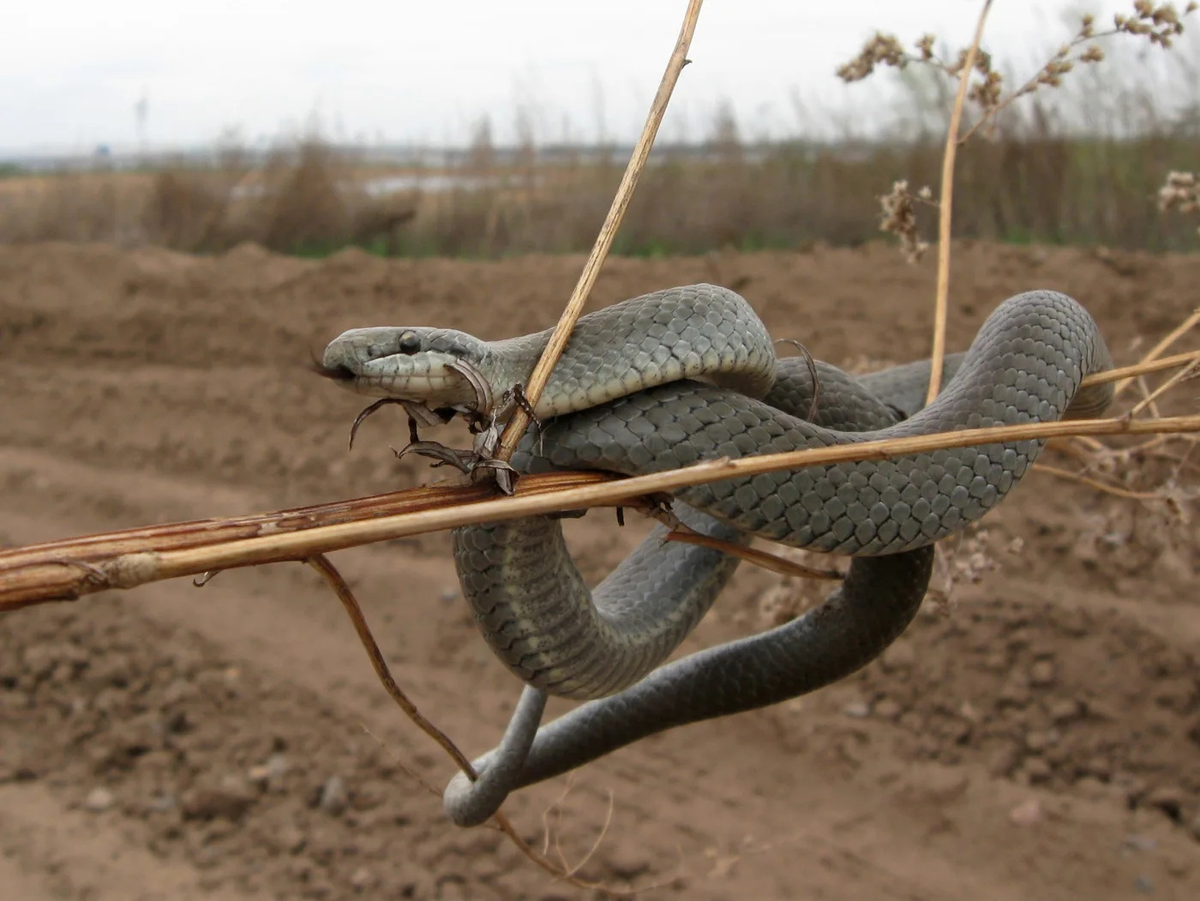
(1156, 352)
(945, 205)
(608, 232)
(334, 579)
(66, 570)
(1152, 362)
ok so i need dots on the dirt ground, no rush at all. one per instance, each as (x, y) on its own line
(1036, 737)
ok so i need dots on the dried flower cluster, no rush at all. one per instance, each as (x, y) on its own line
(1181, 192)
(880, 50)
(900, 218)
(1160, 23)
(967, 561)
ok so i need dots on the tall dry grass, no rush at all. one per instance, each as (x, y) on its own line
(1081, 165)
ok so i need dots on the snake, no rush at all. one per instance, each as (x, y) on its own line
(688, 374)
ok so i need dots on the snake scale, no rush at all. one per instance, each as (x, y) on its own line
(690, 374)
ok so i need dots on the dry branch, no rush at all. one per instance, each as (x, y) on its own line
(68, 569)
(62, 570)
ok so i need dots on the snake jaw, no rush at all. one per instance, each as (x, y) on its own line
(484, 402)
(433, 367)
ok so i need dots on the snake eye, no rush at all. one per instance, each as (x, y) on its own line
(409, 343)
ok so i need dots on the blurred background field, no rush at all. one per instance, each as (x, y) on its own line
(1078, 165)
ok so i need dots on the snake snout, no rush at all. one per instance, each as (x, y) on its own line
(336, 371)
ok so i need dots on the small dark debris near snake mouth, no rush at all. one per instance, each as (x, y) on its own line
(337, 373)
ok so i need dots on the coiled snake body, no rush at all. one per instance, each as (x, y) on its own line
(689, 374)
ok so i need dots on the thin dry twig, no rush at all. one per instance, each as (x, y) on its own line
(1160, 23)
(1099, 485)
(330, 574)
(772, 562)
(1188, 372)
(608, 232)
(69, 568)
(591, 852)
(399, 761)
(945, 205)
(551, 830)
(1148, 401)
(1149, 364)
(1155, 352)
(553, 811)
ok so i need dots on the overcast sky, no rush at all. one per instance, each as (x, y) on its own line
(73, 72)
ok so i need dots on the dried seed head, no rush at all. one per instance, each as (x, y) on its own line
(880, 50)
(1181, 192)
(987, 93)
(900, 218)
(1159, 22)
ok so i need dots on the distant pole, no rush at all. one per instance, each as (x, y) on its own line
(141, 112)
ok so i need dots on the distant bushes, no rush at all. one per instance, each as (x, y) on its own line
(1084, 171)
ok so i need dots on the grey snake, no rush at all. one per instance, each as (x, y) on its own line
(690, 374)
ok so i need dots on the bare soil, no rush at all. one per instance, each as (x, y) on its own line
(1036, 737)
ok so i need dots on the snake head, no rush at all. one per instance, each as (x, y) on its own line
(439, 368)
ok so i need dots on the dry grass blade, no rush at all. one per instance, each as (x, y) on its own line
(1155, 352)
(608, 232)
(566, 875)
(1187, 372)
(67, 570)
(608, 815)
(945, 206)
(1115, 490)
(1147, 366)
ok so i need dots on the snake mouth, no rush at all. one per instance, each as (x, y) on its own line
(438, 381)
(335, 373)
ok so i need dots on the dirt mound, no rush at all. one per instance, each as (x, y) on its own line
(1036, 735)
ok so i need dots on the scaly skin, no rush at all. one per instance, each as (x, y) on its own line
(1026, 365)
